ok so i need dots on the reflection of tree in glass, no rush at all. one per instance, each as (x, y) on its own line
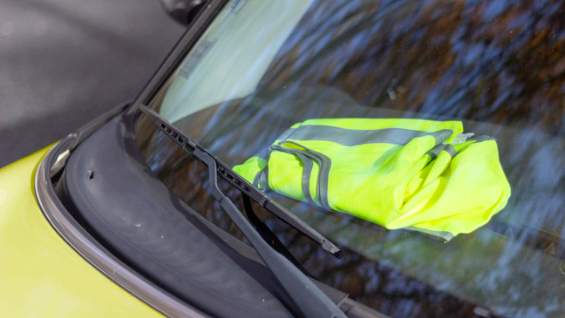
(501, 62)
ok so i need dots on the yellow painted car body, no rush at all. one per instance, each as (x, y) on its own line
(40, 275)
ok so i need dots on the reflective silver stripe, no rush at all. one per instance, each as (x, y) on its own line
(263, 179)
(307, 166)
(441, 147)
(476, 140)
(258, 177)
(324, 163)
(261, 176)
(354, 137)
(323, 178)
(435, 151)
(450, 150)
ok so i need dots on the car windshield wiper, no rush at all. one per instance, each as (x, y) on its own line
(311, 301)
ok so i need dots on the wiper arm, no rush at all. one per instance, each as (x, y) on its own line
(311, 301)
(268, 236)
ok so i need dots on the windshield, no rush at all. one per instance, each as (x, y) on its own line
(425, 138)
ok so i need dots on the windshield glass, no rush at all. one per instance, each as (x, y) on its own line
(425, 138)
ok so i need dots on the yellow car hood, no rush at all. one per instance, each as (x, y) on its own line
(40, 275)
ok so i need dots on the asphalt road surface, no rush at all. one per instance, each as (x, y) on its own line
(63, 62)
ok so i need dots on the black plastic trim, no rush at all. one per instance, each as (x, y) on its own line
(183, 46)
(93, 252)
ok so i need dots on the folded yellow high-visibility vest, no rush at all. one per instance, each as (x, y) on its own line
(415, 174)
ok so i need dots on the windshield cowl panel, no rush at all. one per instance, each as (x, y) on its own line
(156, 235)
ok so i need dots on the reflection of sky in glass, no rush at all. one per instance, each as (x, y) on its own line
(499, 66)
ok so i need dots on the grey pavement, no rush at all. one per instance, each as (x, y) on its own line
(63, 62)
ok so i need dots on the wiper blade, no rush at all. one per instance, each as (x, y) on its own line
(311, 301)
(241, 184)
